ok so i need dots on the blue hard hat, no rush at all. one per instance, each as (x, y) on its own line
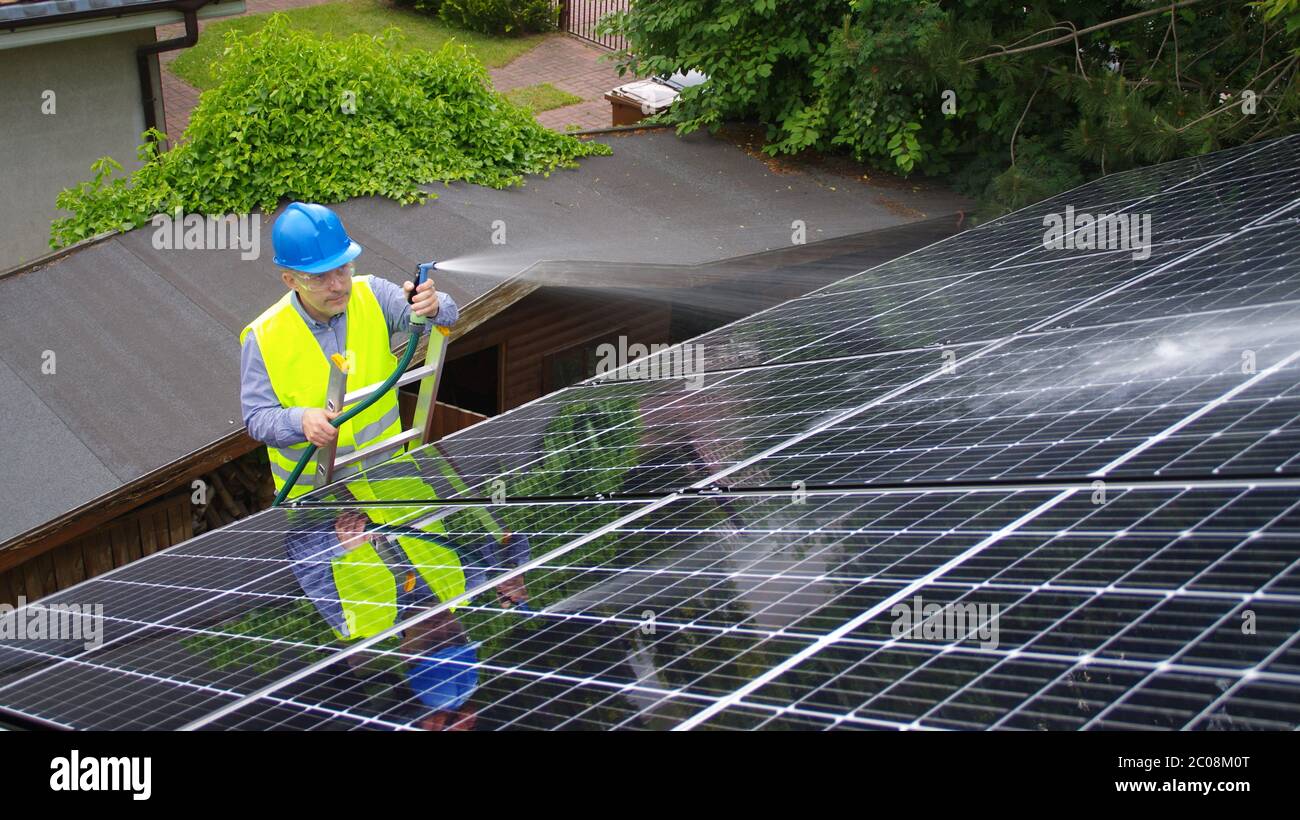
(310, 238)
(445, 679)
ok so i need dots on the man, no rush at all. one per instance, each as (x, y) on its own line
(284, 363)
(284, 379)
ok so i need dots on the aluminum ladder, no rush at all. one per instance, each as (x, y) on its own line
(429, 374)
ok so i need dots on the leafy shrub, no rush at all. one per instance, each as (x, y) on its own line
(277, 125)
(1141, 83)
(498, 16)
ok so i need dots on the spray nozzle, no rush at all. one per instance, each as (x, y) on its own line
(421, 275)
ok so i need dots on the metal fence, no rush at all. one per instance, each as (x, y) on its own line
(579, 18)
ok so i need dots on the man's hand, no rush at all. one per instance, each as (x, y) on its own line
(350, 527)
(459, 720)
(512, 592)
(316, 426)
(426, 299)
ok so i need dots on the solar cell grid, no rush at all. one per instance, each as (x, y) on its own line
(594, 656)
(1060, 633)
(1126, 186)
(980, 305)
(228, 612)
(983, 307)
(882, 313)
(1225, 181)
(1067, 403)
(1257, 267)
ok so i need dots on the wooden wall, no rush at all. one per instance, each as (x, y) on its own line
(131, 536)
(448, 419)
(554, 319)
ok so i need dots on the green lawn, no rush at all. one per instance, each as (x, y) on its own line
(541, 97)
(194, 65)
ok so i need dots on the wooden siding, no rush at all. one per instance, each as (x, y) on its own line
(554, 319)
(135, 535)
(447, 418)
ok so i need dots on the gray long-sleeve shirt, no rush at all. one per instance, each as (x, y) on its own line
(270, 422)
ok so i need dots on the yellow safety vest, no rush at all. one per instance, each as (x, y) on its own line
(299, 375)
(367, 587)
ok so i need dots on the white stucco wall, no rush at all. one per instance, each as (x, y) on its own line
(97, 112)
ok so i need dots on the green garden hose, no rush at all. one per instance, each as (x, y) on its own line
(338, 420)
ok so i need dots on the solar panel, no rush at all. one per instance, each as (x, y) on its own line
(998, 279)
(988, 485)
(981, 305)
(214, 618)
(1194, 197)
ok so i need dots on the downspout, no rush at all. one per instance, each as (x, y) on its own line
(148, 94)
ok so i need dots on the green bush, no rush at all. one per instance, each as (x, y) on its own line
(938, 86)
(498, 16)
(324, 120)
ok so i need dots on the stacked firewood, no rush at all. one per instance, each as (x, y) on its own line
(235, 490)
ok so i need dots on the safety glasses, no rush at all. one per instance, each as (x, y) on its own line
(321, 281)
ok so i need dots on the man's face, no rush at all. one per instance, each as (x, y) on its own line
(326, 293)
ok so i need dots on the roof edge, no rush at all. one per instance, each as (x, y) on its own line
(42, 261)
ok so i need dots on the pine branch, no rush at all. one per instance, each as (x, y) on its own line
(1173, 26)
(1237, 103)
(1074, 36)
(1022, 119)
(1068, 27)
(1242, 64)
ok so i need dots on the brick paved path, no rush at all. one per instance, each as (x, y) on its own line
(570, 65)
(561, 60)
